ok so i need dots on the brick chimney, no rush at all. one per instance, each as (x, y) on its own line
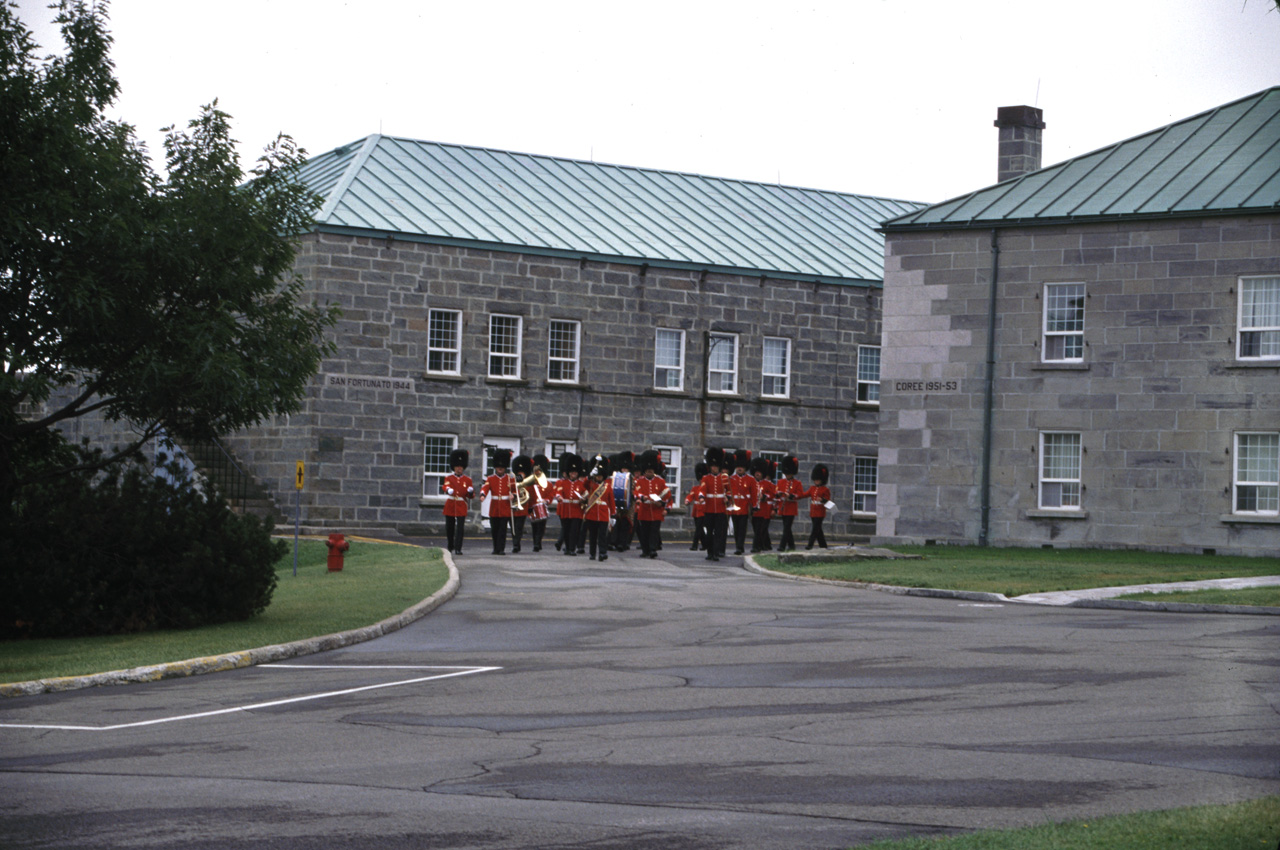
(1020, 128)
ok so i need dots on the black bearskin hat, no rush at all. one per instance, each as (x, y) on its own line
(700, 470)
(599, 465)
(502, 458)
(651, 459)
(459, 457)
(623, 461)
(522, 465)
(821, 474)
(762, 465)
(715, 457)
(570, 462)
(742, 458)
(790, 465)
(541, 462)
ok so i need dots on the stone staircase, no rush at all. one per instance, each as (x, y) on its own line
(242, 491)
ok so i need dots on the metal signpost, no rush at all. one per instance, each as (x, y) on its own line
(297, 515)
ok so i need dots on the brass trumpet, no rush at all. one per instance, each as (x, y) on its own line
(523, 494)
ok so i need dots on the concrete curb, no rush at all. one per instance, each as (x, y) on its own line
(750, 564)
(244, 658)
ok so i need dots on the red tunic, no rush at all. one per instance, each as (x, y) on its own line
(647, 510)
(457, 489)
(500, 487)
(604, 507)
(789, 492)
(568, 494)
(715, 492)
(764, 508)
(697, 507)
(818, 495)
(745, 490)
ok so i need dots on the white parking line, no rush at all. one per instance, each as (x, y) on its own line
(456, 671)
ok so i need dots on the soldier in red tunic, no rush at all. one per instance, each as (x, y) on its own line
(599, 507)
(819, 494)
(715, 494)
(569, 493)
(762, 470)
(652, 497)
(744, 493)
(500, 487)
(458, 490)
(697, 508)
(789, 491)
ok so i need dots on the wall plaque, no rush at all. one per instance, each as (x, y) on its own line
(368, 382)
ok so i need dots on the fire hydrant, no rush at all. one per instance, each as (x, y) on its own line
(337, 545)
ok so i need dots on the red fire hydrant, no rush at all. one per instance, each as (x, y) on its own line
(337, 545)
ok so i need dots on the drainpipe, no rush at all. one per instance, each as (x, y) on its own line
(989, 393)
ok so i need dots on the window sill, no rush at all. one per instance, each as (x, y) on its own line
(1060, 367)
(442, 376)
(565, 385)
(725, 396)
(510, 382)
(668, 391)
(1051, 514)
(774, 399)
(1248, 519)
(866, 405)
(1272, 365)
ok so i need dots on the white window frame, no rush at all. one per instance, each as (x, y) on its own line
(864, 497)
(868, 387)
(1253, 334)
(1064, 342)
(775, 378)
(435, 348)
(505, 359)
(673, 457)
(1261, 480)
(568, 365)
(553, 450)
(1060, 492)
(717, 377)
(491, 444)
(432, 478)
(668, 376)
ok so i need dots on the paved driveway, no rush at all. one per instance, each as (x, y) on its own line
(661, 704)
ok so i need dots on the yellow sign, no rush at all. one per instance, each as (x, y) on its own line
(298, 485)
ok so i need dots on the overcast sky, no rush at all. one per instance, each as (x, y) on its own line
(894, 98)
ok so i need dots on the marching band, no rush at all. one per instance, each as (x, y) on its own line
(602, 501)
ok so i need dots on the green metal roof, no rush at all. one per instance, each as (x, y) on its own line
(1224, 161)
(511, 201)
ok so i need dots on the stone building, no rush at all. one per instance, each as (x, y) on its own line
(494, 299)
(1089, 354)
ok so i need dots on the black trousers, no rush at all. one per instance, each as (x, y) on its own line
(787, 542)
(454, 528)
(498, 528)
(517, 531)
(571, 530)
(717, 532)
(539, 528)
(761, 542)
(740, 523)
(815, 533)
(598, 532)
(648, 534)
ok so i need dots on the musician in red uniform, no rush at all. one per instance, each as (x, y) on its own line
(569, 493)
(458, 489)
(697, 508)
(500, 487)
(715, 494)
(762, 470)
(536, 487)
(521, 467)
(743, 493)
(599, 508)
(789, 493)
(819, 494)
(652, 495)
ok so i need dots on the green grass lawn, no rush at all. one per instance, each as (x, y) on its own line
(1265, 596)
(1014, 572)
(1254, 825)
(377, 581)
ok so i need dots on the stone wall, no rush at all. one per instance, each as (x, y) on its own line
(1157, 398)
(363, 446)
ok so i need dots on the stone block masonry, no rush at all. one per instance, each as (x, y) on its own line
(364, 422)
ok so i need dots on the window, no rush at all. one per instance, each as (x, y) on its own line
(866, 475)
(1060, 471)
(668, 359)
(869, 374)
(562, 351)
(722, 363)
(1063, 323)
(444, 342)
(1257, 474)
(435, 461)
(504, 346)
(553, 452)
(1259, 318)
(776, 367)
(672, 457)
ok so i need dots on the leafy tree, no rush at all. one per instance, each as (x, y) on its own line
(168, 303)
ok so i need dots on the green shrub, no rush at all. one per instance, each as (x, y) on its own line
(129, 552)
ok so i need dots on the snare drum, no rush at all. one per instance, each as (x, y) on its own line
(538, 511)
